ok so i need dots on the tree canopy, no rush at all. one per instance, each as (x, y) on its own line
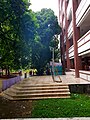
(17, 33)
(48, 27)
(25, 36)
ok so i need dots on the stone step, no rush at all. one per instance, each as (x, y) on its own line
(39, 88)
(11, 94)
(22, 91)
(38, 91)
(35, 98)
(7, 96)
(39, 85)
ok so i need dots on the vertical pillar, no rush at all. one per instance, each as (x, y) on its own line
(79, 58)
(75, 37)
(80, 63)
(62, 53)
(62, 42)
(67, 41)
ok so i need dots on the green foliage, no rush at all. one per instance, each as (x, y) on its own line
(17, 34)
(25, 36)
(54, 43)
(77, 106)
(48, 27)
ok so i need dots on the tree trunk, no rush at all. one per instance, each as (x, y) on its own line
(7, 71)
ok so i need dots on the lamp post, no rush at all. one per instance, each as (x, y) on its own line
(52, 49)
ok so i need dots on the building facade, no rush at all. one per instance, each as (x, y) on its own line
(74, 19)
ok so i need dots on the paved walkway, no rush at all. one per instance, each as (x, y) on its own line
(68, 79)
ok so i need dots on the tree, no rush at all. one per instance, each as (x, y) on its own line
(54, 44)
(48, 28)
(17, 33)
(25, 36)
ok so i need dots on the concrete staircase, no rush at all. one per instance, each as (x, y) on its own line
(26, 91)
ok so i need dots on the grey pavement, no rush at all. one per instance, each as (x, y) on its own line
(66, 79)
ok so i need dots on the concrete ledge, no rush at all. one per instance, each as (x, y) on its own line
(80, 88)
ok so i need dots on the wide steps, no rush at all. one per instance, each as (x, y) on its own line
(39, 91)
(27, 91)
(34, 98)
(39, 85)
(47, 95)
(21, 88)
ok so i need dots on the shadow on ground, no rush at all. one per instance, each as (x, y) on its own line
(15, 109)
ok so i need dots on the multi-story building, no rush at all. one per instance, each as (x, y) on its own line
(74, 19)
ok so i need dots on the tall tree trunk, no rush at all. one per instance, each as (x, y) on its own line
(8, 71)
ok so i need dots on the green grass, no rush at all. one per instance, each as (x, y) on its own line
(76, 106)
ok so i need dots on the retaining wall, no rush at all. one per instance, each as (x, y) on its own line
(4, 84)
(80, 88)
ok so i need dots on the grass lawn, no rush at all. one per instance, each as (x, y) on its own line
(76, 106)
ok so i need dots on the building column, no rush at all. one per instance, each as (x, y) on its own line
(62, 52)
(80, 62)
(62, 43)
(67, 41)
(75, 37)
(79, 58)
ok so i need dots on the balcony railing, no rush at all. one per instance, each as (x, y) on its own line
(70, 29)
(82, 8)
(71, 51)
(69, 8)
(84, 43)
